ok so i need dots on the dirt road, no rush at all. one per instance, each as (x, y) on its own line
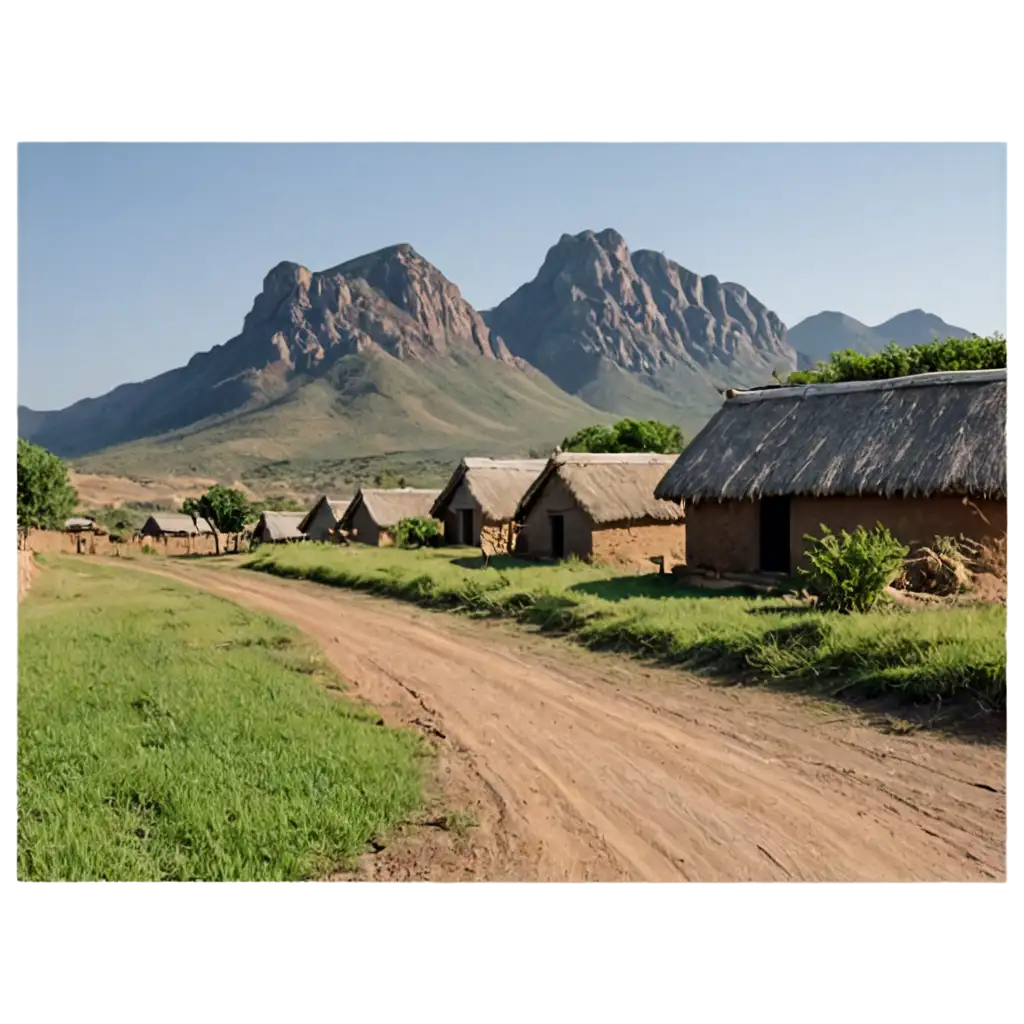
(584, 766)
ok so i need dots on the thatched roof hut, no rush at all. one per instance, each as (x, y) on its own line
(935, 433)
(319, 522)
(174, 524)
(608, 487)
(278, 527)
(495, 485)
(82, 524)
(601, 506)
(374, 512)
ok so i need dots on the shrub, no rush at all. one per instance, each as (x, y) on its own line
(418, 532)
(850, 571)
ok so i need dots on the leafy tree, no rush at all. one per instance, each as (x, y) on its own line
(850, 571)
(417, 532)
(627, 436)
(45, 495)
(896, 361)
(226, 509)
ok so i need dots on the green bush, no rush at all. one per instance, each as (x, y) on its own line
(418, 532)
(850, 571)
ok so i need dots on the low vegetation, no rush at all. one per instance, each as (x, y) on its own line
(941, 653)
(168, 735)
(850, 571)
(418, 532)
(896, 361)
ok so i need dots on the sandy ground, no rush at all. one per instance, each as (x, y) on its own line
(590, 766)
(97, 490)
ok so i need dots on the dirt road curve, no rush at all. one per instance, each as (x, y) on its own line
(583, 766)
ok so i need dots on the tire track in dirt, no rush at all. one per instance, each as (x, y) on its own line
(582, 766)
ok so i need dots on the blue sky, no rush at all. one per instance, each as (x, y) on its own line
(132, 257)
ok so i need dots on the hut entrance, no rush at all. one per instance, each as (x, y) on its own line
(558, 536)
(466, 518)
(775, 534)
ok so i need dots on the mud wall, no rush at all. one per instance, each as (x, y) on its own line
(60, 543)
(556, 499)
(635, 544)
(26, 570)
(723, 535)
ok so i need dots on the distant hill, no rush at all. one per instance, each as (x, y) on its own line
(817, 337)
(638, 334)
(378, 354)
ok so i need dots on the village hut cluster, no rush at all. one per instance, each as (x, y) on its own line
(924, 456)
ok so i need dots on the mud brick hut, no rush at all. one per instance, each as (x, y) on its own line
(162, 525)
(924, 456)
(478, 504)
(278, 528)
(602, 508)
(318, 523)
(179, 534)
(372, 515)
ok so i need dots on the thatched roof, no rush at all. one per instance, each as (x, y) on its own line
(386, 508)
(935, 433)
(608, 488)
(175, 524)
(336, 505)
(80, 524)
(497, 485)
(278, 526)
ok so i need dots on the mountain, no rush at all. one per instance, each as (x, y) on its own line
(817, 337)
(377, 354)
(638, 334)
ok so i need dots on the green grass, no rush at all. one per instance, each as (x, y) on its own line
(919, 656)
(165, 734)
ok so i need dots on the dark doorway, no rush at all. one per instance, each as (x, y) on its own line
(466, 516)
(775, 535)
(558, 536)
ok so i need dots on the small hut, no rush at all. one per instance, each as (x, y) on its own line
(924, 456)
(82, 524)
(319, 522)
(478, 504)
(373, 514)
(162, 525)
(278, 528)
(601, 507)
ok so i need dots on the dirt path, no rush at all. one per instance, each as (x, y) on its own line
(584, 766)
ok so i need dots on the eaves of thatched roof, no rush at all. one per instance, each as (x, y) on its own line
(609, 488)
(497, 485)
(176, 524)
(935, 433)
(337, 507)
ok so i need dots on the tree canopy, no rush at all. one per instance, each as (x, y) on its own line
(896, 361)
(226, 509)
(627, 436)
(45, 496)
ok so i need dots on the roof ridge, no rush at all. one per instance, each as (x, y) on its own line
(917, 380)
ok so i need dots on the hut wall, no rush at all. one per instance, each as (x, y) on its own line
(555, 498)
(634, 544)
(723, 535)
(321, 524)
(909, 519)
(365, 530)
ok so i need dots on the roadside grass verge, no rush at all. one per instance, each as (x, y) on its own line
(931, 655)
(164, 734)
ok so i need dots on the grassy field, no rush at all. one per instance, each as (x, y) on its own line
(164, 734)
(942, 654)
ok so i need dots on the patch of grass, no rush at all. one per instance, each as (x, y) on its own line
(165, 734)
(925, 655)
